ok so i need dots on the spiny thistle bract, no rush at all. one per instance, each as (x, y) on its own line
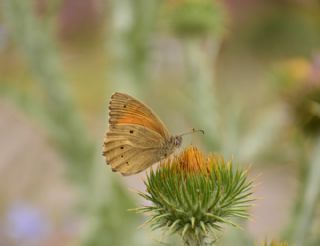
(194, 195)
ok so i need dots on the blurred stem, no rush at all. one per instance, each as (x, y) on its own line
(262, 134)
(203, 102)
(311, 196)
(131, 27)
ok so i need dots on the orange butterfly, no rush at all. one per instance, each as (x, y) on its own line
(137, 138)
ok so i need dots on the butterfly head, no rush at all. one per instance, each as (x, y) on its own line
(177, 141)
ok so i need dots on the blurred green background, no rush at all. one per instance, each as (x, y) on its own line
(247, 72)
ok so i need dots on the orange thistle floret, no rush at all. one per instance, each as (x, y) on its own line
(193, 161)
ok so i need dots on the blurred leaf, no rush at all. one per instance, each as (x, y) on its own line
(37, 42)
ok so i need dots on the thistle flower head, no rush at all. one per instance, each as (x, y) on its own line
(194, 195)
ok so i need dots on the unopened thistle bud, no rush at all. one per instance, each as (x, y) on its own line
(197, 18)
(194, 195)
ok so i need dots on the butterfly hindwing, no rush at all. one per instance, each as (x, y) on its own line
(131, 148)
(140, 162)
(132, 160)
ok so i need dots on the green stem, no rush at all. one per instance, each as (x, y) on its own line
(191, 239)
(310, 198)
(200, 67)
(131, 26)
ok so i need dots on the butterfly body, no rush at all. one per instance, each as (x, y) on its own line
(136, 138)
(169, 146)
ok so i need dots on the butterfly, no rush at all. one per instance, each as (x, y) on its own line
(136, 138)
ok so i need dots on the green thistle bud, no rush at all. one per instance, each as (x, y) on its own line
(197, 18)
(194, 195)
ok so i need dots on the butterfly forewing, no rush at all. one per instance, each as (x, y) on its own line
(125, 109)
(136, 135)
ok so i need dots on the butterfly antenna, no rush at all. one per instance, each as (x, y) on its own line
(192, 131)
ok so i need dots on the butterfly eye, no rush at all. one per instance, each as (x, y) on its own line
(121, 156)
(131, 131)
(121, 147)
(124, 106)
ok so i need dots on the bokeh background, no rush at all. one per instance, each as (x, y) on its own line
(247, 72)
